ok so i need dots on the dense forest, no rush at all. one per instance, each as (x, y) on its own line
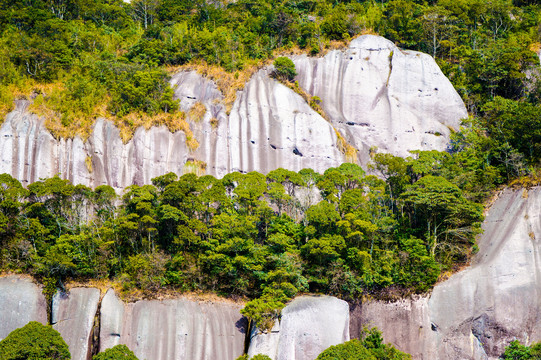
(262, 237)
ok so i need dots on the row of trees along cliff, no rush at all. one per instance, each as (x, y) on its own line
(261, 238)
(79, 59)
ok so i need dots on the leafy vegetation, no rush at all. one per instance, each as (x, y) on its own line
(371, 347)
(34, 341)
(264, 238)
(284, 69)
(517, 351)
(117, 352)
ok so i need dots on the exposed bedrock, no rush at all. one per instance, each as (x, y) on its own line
(379, 95)
(73, 316)
(30, 152)
(374, 94)
(309, 325)
(21, 301)
(173, 329)
(480, 310)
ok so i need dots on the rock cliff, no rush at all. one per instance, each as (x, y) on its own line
(373, 93)
(73, 317)
(480, 310)
(21, 301)
(173, 329)
(308, 326)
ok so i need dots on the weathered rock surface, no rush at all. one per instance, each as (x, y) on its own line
(30, 152)
(480, 310)
(374, 94)
(308, 326)
(173, 329)
(73, 316)
(379, 95)
(21, 301)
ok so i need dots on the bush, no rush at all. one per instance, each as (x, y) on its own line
(371, 348)
(284, 69)
(34, 341)
(118, 352)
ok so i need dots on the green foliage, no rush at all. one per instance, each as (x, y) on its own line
(371, 348)
(248, 235)
(265, 310)
(517, 351)
(117, 352)
(34, 341)
(284, 69)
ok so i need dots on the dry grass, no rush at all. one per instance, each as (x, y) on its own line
(174, 122)
(535, 47)
(196, 167)
(369, 31)
(197, 112)
(227, 82)
(346, 148)
(526, 182)
(88, 163)
(313, 101)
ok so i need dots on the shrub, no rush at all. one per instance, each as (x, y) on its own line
(284, 69)
(34, 341)
(118, 352)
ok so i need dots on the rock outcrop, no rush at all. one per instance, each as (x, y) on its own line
(73, 315)
(480, 310)
(173, 329)
(373, 93)
(21, 301)
(30, 152)
(379, 95)
(308, 326)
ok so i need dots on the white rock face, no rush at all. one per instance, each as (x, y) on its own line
(21, 301)
(73, 316)
(374, 94)
(308, 326)
(173, 329)
(30, 152)
(379, 95)
(479, 311)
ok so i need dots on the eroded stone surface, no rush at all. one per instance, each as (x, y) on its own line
(21, 301)
(378, 95)
(173, 329)
(479, 311)
(309, 325)
(73, 315)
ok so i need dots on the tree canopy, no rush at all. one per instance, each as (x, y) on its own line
(34, 341)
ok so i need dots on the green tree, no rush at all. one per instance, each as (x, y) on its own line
(284, 69)
(117, 352)
(34, 341)
(441, 206)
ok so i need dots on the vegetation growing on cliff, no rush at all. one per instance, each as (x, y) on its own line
(517, 351)
(80, 59)
(250, 235)
(371, 347)
(261, 237)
